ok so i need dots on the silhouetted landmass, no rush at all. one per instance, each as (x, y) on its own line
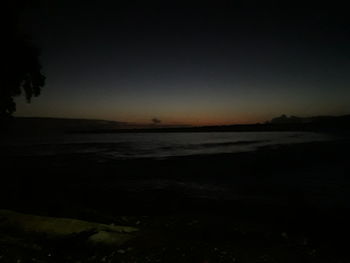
(284, 123)
(284, 119)
(19, 125)
(58, 125)
(67, 125)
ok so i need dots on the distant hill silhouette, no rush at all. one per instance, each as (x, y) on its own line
(283, 119)
(315, 123)
(283, 123)
(59, 125)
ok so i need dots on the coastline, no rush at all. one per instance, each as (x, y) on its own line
(182, 174)
(197, 206)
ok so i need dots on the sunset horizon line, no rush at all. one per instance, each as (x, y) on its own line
(163, 123)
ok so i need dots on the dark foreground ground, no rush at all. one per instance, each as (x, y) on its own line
(279, 204)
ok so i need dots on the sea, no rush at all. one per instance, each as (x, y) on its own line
(153, 145)
(320, 185)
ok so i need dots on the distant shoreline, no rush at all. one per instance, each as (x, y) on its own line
(310, 127)
(324, 124)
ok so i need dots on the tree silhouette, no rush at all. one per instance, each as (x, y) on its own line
(20, 65)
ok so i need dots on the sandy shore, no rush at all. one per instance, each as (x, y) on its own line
(313, 174)
(285, 203)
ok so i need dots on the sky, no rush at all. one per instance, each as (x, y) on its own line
(183, 62)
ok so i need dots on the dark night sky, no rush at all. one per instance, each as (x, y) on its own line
(217, 62)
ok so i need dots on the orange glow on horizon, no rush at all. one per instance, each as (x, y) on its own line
(193, 121)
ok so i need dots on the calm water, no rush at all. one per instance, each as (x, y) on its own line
(155, 145)
(318, 185)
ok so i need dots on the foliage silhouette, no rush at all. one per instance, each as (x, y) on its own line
(20, 64)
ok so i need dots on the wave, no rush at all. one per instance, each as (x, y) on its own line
(212, 145)
(231, 143)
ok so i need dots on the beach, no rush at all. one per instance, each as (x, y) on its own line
(174, 131)
(262, 203)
